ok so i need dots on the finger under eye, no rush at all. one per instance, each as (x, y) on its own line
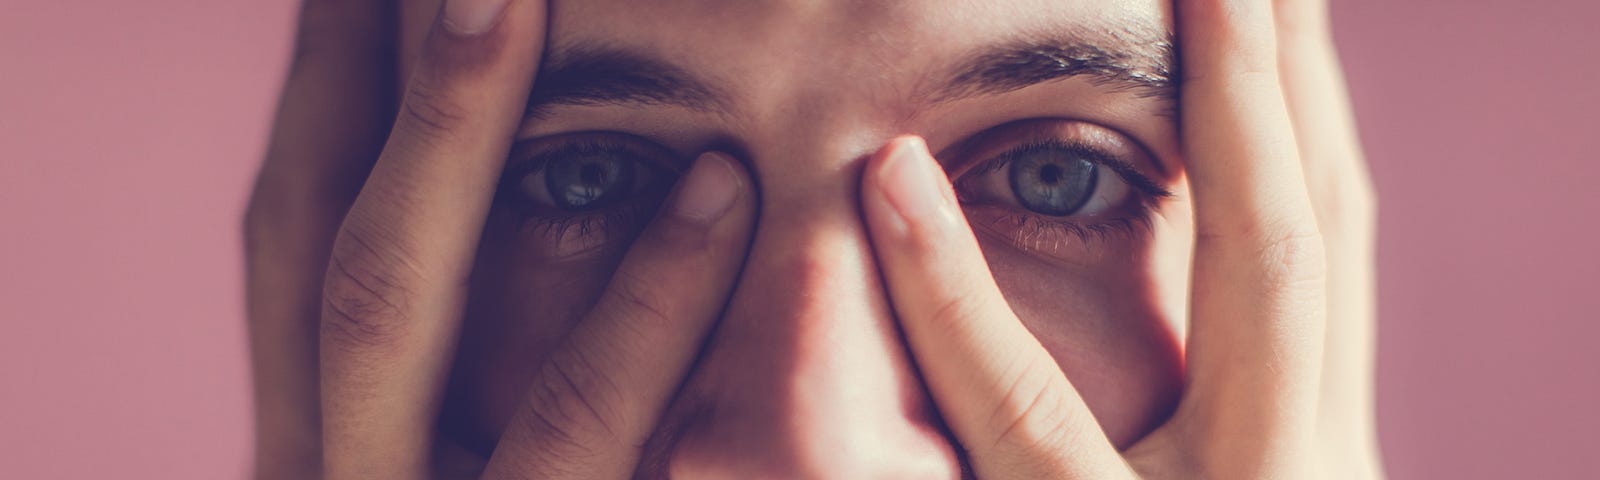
(600, 395)
(1258, 301)
(1002, 393)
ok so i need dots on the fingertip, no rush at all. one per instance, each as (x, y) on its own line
(886, 156)
(710, 211)
(906, 192)
(474, 38)
(741, 216)
(710, 190)
(472, 17)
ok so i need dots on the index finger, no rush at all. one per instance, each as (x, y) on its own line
(598, 397)
(1258, 304)
(1008, 403)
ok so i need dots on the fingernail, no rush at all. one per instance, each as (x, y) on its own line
(469, 17)
(913, 183)
(708, 191)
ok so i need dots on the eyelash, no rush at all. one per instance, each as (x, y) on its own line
(604, 222)
(1028, 229)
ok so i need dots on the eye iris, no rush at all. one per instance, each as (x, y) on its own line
(584, 181)
(1053, 183)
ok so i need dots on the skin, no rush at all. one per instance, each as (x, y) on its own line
(824, 304)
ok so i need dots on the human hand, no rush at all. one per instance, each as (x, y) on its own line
(1279, 349)
(397, 263)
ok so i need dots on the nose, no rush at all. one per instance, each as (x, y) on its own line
(806, 376)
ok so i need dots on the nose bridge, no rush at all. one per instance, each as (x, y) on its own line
(806, 374)
(811, 288)
(810, 275)
(811, 284)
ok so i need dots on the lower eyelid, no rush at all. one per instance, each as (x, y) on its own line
(1054, 237)
(569, 236)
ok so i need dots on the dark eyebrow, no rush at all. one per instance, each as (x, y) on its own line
(591, 74)
(588, 74)
(1144, 62)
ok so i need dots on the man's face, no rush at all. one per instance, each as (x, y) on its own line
(1054, 119)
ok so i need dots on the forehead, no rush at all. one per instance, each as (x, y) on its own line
(834, 47)
(821, 22)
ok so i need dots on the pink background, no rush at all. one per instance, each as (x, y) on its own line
(129, 132)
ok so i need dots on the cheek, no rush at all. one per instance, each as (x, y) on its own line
(1104, 322)
(522, 301)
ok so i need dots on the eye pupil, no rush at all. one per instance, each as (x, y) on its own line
(1052, 182)
(1050, 174)
(585, 181)
(592, 175)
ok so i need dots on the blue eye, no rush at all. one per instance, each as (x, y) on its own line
(1055, 186)
(575, 194)
(588, 173)
(585, 180)
(1050, 182)
(1051, 178)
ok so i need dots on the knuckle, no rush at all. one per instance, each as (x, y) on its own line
(956, 309)
(1293, 257)
(446, 66)
(1035, 416)
(365, 294)
(574, 406)
(429, 113)
(632, 301)
(553, 450)
(1286, 253)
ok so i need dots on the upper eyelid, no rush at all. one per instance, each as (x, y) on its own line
(644, 149)
(1000, 137)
